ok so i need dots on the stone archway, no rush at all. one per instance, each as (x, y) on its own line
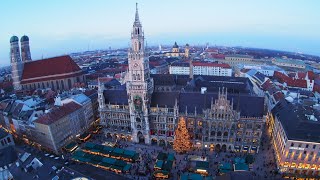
(140, 137)
(154, 141)
(217, 147)
(162, 142)
(224, 148)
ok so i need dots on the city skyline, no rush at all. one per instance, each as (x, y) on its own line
(286, 25)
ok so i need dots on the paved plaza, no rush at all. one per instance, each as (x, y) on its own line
(263, 167)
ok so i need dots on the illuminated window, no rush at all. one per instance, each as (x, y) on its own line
(307, 166)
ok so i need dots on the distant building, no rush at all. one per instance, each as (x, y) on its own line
(238, 57)
(264, 69)
(177, 52)
(295, 137)
(58, 73)
(201, 68)
(292, 63)
(304, 83)
(158, 66)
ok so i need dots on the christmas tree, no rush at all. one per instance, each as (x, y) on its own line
(182, 142)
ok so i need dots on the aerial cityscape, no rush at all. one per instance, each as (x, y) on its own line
(180, 109)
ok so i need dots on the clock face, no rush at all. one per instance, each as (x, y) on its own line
(135, 65)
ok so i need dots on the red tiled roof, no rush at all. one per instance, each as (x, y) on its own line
(301, 75)
(278, 95)
(157, 62)
(212, 50)
(266, 85)
(316, 88)
(311, 75)
(210, 64)
(104, 79)
(58, 113)
(218, 56)
(282, 78)
(26, 81)
(48, 67)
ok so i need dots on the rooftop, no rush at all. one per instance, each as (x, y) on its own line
(299, 122)
(239, 56)
(47, 67)
(290, 61)
(3, 133)
(8, 155)
(210, 64)
(57, 113)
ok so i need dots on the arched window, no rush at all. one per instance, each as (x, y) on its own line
(38, 85)
(57, 83)
(69, 83)
(62, 85)
(134, 77)
(225, 134)
(213, 133)
(138, 31)
(138, 120)
(52, 85)
(47, 84)
(219, 133)
(139, 46)
(43, 85)
(138, 77)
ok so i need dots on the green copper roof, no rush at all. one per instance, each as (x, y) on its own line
(14, 39)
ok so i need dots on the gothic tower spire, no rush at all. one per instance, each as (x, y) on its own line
(136, 19)
(139, 84)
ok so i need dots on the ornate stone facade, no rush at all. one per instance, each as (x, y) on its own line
(224, 115)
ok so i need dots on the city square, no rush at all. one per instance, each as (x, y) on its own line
(177, 107)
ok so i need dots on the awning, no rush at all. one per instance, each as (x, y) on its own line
(237, 147)
(254, 148)
(245, 148)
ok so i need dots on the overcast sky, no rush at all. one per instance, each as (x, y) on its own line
(60, 26)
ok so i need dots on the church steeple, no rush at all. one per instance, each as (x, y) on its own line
(139, 84)
(136, 19)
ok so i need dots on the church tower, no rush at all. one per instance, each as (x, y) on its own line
(16, 63)
(186, 51)
(139, 85)
(25, 49)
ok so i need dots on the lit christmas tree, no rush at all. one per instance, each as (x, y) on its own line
(182, 142)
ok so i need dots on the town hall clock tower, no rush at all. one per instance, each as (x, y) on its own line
(139, 85)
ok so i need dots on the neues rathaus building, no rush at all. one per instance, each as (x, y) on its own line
(222, 113)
